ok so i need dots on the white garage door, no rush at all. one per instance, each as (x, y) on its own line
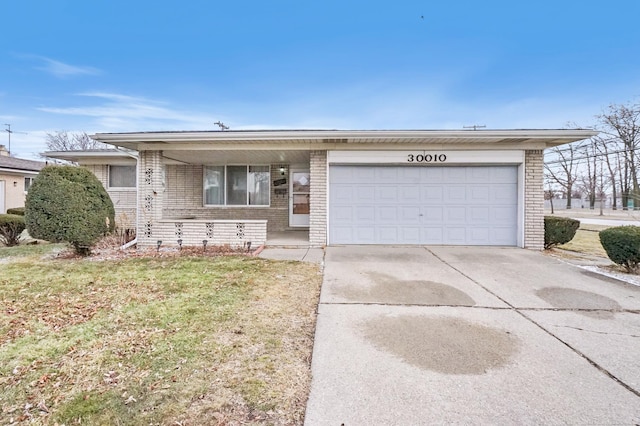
(423, 205)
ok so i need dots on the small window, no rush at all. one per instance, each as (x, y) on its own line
(122, 176)
(27, 183)
(236, 185)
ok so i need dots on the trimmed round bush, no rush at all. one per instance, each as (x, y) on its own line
(69, 204)
(622, 244)
(16, 210)
(559, 230)
(11, 226)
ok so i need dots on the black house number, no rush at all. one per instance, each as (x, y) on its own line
(426, 158)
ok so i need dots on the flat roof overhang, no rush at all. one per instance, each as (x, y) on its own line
(343, 139)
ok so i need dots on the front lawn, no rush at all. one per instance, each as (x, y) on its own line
(587, 241)
(171, 341)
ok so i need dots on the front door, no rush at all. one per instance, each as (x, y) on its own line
(300, 191)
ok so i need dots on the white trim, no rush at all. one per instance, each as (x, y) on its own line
(521, 205)
(444, 157)
(319, 135)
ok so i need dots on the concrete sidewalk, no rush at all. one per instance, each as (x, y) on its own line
(306, 254)
(410, 336)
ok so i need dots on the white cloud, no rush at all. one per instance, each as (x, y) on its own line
(63, 70)
(117, 112)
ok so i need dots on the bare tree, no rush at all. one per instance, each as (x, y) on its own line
(65, 141)
(563, 169)
(612, 158)
(621, 128)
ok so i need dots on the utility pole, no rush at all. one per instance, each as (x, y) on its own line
(9, 131)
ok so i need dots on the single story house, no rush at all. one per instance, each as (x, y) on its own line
(422, 187)
(16, 176)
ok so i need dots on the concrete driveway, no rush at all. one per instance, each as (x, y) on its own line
(410, 336)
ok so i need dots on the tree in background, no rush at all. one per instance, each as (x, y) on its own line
(563, 169)
(620, 126)
(69, 204)
(65, 141)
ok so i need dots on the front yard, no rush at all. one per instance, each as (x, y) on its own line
(173, 341)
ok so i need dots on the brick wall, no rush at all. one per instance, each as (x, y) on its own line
(184, 199)
(215, 232)
(318, 216)
(124, 200)
(533, 200)
(150, 196)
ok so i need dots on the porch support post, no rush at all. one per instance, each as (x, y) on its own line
(533, 200)
(318, 212)
(150, 195)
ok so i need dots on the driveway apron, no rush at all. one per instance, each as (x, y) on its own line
(432, 335)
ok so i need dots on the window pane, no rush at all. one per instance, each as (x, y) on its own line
(258, 185)
(27, 183)
(214, 185)
(122, 176)
(237, 185)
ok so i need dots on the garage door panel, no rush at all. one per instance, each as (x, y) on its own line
(432, 235)
(409, 193)
(475, 205)
(364, 214)
(364, 194)
(455, 194)
(409, 214)
(503, 193)
(455, 214)
(506, 215)
(478, 193)
(503, 174)
(387, 194)
(479, 235)
(387, 215)
(455, 235)
(432, 214)
(479, 215)
(388, 234)
(432, 194)
(431, 175)
(455, 174)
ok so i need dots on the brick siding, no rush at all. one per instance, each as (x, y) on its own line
(533, 200)
(318, 215)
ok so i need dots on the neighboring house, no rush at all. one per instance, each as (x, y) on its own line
(16, 176)
(450, 187)
(116, 170)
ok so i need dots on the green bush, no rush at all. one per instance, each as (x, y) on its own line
(69, 204)
(559, 230)
(11, 226)
(622, 245)
(16, 210)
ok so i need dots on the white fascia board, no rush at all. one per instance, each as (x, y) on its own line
(553, 137)
(77, 156)
(417, 157)
(18, 172)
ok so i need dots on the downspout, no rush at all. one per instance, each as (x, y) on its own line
(134, 156)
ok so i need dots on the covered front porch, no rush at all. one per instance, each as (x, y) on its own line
(235, 197)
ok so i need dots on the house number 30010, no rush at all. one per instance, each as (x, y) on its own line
(426, 158)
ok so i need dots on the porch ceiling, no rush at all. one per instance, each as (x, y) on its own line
(237, 157)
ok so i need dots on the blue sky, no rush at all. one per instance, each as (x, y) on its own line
(111, 66)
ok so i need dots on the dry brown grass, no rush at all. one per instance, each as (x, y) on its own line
(586, 241)
(183, 340)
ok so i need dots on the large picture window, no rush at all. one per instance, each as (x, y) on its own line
(236, 185)
(122, 176)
